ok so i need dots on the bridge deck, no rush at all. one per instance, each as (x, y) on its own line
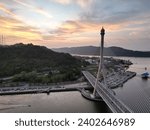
(107, 95)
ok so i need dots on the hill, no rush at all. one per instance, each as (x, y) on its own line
(20, 57)
(109, 51)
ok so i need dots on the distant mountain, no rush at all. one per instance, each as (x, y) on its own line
(109, 51)
(20, 57)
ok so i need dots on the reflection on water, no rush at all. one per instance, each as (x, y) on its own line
(55, 102)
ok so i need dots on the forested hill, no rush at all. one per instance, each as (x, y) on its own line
(28, 57)
(108, 51)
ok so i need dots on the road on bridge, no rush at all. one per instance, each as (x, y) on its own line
(107, 95)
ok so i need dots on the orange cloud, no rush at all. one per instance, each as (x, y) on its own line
(79, 27)
(81, 33)
(14, 28)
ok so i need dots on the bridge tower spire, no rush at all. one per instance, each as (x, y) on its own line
(102, 33)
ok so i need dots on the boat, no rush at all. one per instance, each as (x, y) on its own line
(145, 75)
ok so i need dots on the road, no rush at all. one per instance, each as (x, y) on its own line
(107, 95)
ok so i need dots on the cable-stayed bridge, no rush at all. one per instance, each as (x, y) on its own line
(107, 95)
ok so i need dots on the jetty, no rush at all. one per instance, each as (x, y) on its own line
(117, 79)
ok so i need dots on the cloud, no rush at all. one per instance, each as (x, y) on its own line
(79, 32)
(115, 15)
(125, 17)
(5, 10)
(116, 11)
(81, 3)
(63, 1)
(84, 3)
(14, 28)
(35, 9)
(126, 22)
(78, 27)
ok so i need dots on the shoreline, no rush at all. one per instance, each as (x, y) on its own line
(108, 56)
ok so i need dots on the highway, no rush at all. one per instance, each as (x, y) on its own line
(107, 95)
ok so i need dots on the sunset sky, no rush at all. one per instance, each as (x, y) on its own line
(67, 23)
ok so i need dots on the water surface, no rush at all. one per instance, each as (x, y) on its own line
(55, 102)
(136, 92)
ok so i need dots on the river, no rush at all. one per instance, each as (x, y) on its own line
(135, 93)
(55, 102)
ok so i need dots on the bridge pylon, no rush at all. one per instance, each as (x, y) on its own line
(101, 63)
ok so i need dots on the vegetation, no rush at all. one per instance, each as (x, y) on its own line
(34, 77)
(30, 63)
